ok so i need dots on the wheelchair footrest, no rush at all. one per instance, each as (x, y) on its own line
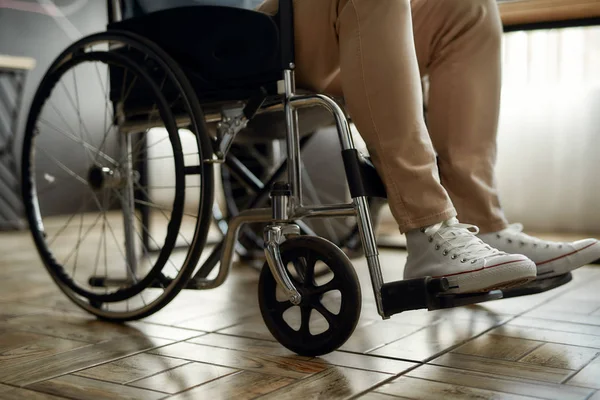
(539, 286)
(427, 293)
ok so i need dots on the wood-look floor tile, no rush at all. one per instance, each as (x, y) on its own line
(498, 383)
(12, 310)
(434, 339)
(570, 306)
(361, 361)
(413, 388)
(219, 321)
(379, 396)
(500, 347)
(263, 363)
(131, 368)
(515, 305)
(24, 291)
(19, 347)
(244, 385)
(502, 367)
(162, 331)
(561, 356)
(477, 311)
(184, 377)
(245, 344)
(555, 325)
(179, 312)
(378, 334)
(333, 383)
(545, 335)
(589, 376)
(56, 302)
(25, 394)
(77, 387)
(34, 370)
(255, 328)
(73, 327)
(564, 317)
(596, 396)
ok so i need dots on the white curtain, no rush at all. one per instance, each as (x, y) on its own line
(548, 165)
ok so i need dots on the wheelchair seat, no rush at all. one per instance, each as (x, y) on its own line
(227, 53)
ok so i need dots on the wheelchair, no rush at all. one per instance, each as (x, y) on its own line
(123, 136)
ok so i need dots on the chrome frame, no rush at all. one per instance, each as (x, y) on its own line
(275, 233)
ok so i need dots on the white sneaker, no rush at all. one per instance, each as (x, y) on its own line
(551, 258)
(451, 249)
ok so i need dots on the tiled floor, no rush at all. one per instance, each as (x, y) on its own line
(214, 345)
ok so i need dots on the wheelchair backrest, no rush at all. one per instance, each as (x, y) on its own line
(220, 44)
(136, 8)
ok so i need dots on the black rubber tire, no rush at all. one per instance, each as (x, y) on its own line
(340, 325)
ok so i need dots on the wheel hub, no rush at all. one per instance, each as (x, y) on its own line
(104, 177)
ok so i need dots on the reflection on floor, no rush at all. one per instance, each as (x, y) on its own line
(214, 345)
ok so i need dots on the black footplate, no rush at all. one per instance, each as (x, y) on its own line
(538, 286)
(427, 293)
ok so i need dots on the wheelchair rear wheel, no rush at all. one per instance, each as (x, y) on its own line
(113, 109)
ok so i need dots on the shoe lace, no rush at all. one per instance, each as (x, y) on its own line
(514, 232)
(460, 240)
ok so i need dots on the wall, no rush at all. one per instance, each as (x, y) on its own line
(40, 30)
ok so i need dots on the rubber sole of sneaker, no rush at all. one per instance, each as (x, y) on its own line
(501, 277)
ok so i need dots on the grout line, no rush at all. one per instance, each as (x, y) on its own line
(385, 382)
(159, 372)
(530, 351)
(571, 375)
(592, 394)
(100, 363)
(92, 379)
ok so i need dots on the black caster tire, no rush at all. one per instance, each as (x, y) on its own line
(301, 254)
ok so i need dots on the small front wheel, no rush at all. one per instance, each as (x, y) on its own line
(330, 306)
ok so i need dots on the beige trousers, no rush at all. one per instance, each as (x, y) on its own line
(374, 53)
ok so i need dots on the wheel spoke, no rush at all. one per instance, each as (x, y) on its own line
(328, 287)
(161, 211)
(145, 229)
(305, 322)
(309, 262)
(64, 167)
(329, 316)
(84, 144)
(81, 239)
(283, 306)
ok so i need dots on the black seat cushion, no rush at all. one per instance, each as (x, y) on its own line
(226, 52)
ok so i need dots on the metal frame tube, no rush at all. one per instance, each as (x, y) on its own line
(359, 207)
(128, 205)
(293, 139)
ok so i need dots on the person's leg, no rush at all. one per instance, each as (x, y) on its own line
(373, 42)
(458, 44)
(365, 49)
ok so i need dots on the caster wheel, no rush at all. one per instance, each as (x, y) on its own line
(330, 306)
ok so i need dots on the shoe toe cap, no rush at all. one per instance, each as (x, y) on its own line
(585, 243)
